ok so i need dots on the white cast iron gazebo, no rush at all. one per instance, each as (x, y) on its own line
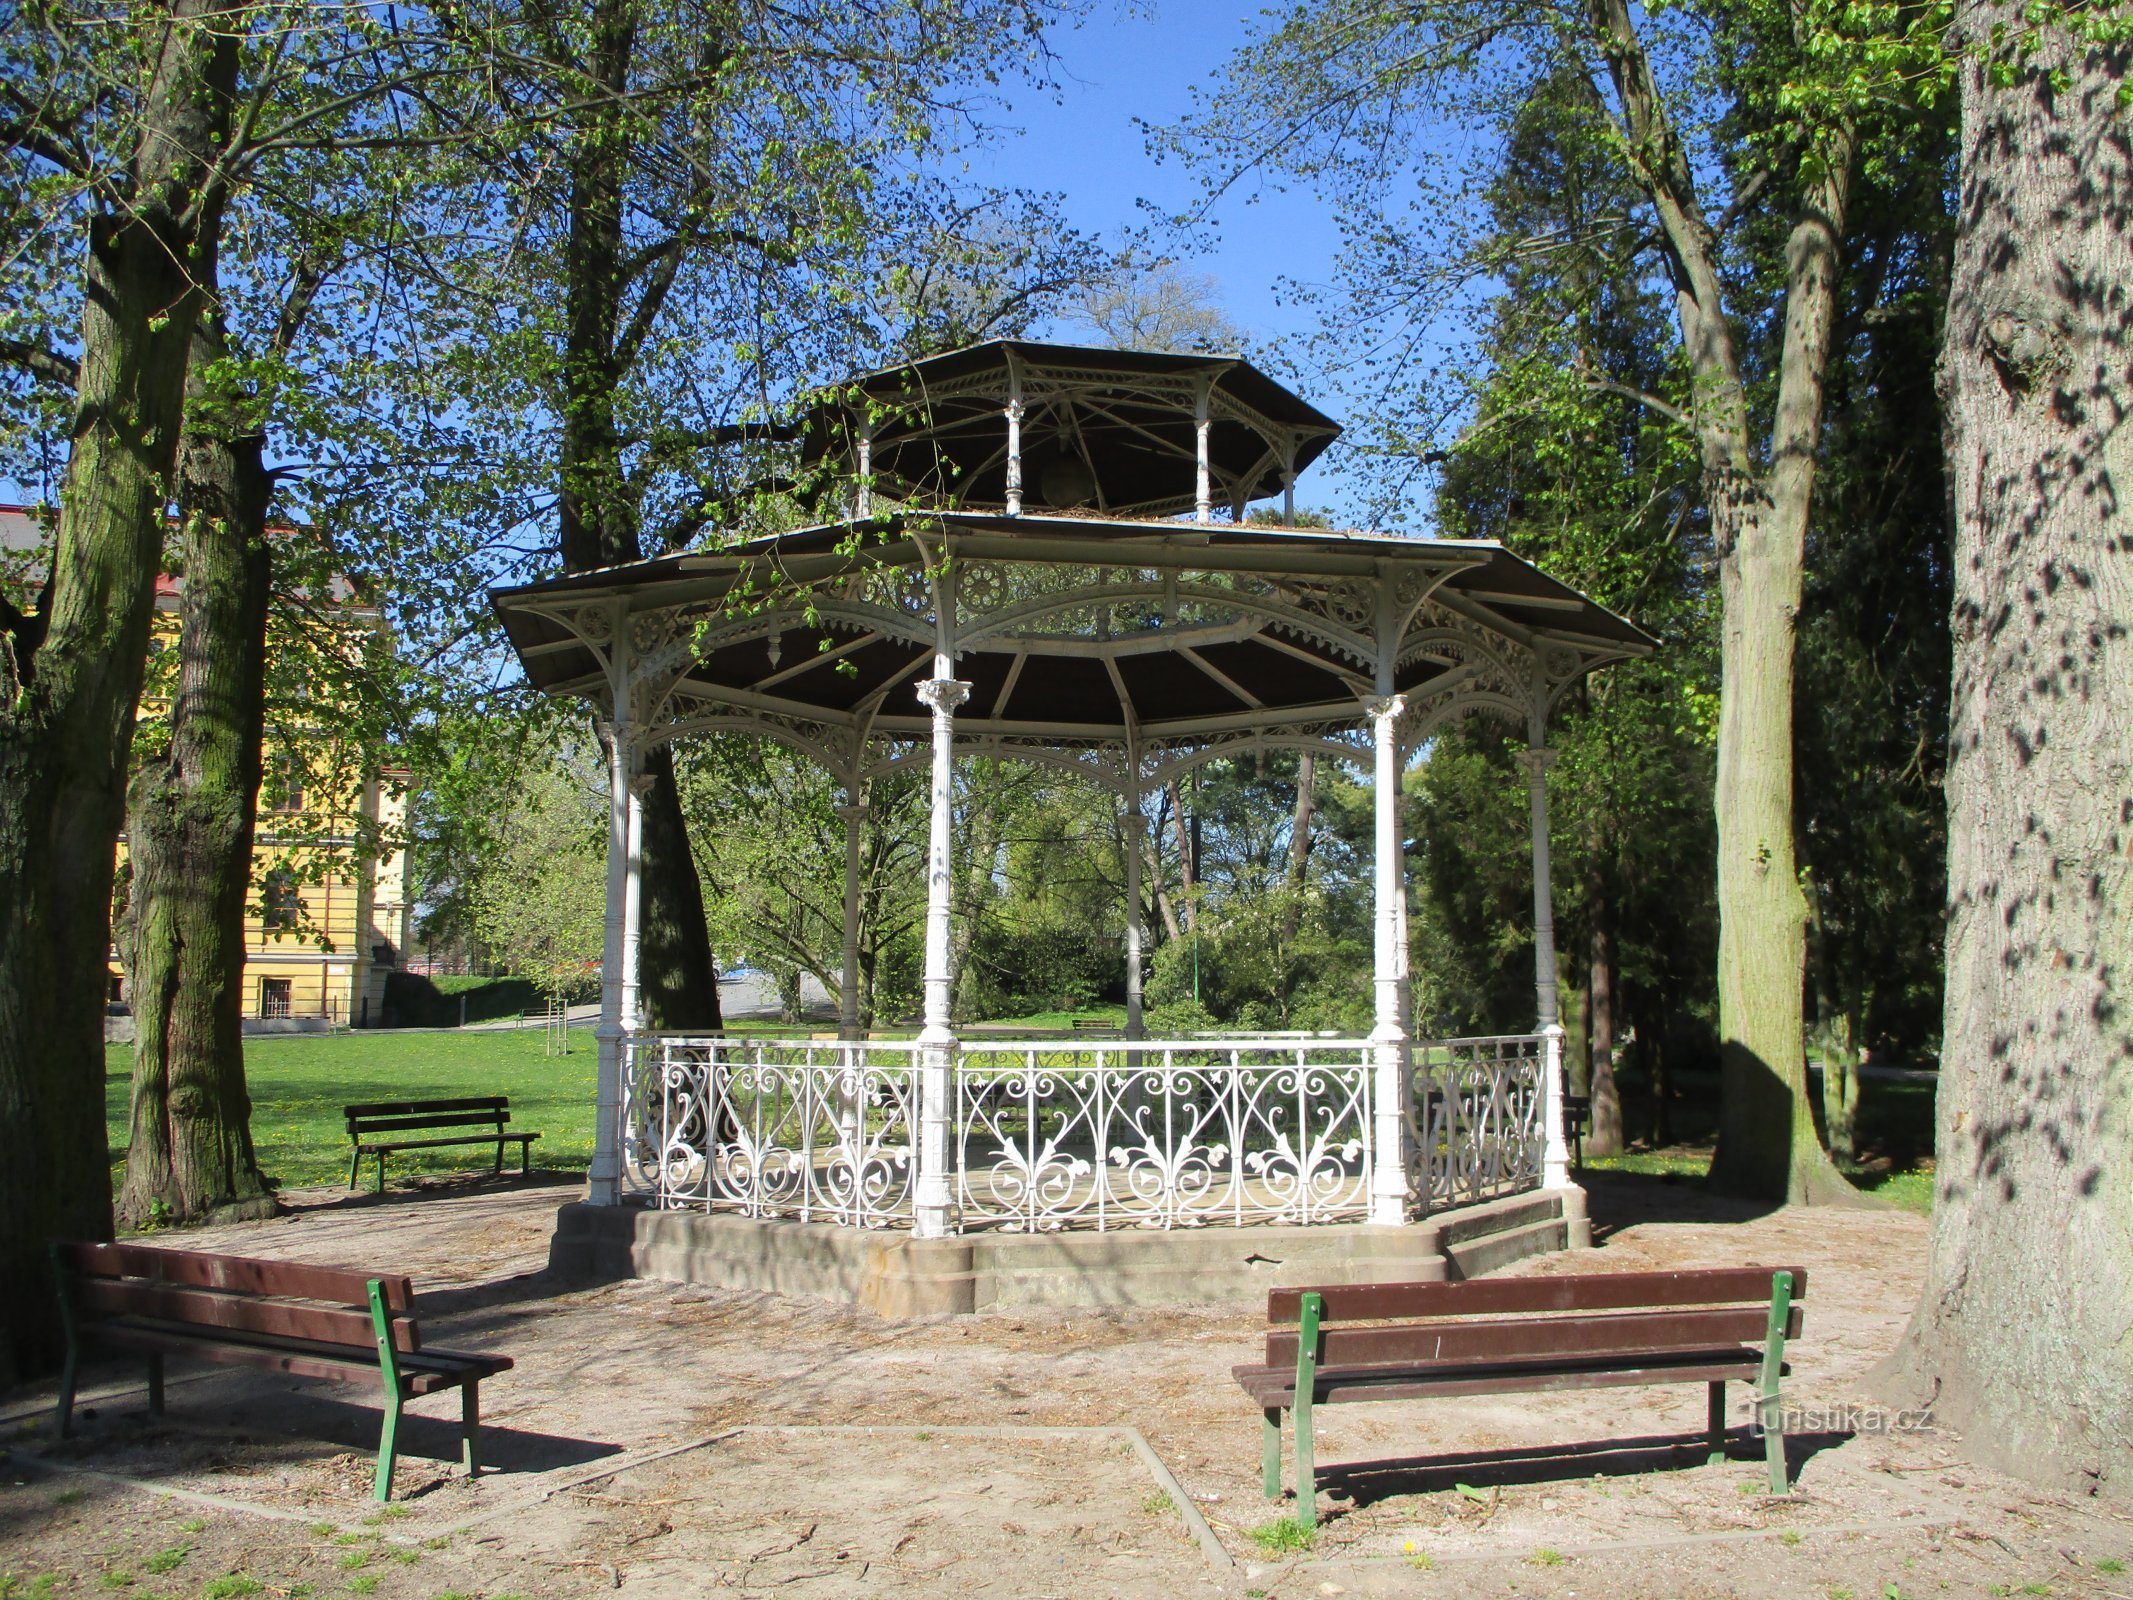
(1028, 565)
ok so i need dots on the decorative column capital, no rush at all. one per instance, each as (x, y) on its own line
(1378, 707)
(1134, 823)
(943, 695)
(1536, 761)
(855, 813)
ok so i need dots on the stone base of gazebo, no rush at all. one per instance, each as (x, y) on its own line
(890, 1272)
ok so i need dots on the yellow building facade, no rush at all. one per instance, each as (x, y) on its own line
(330, 911)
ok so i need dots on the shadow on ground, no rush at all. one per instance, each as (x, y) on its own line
(1364, 1483)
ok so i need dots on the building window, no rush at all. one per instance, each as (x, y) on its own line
(288, 784)
(274, 997)
(282, 906)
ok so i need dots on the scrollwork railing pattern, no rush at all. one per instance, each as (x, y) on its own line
(772, 1128)
(1474, 1117)
(1161, 1133)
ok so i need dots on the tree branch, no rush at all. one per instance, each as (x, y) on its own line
(40, 362)
(1645, 398)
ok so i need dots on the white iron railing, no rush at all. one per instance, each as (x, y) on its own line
(1068, 1133)
(1475, 1117)
(772, 1127)
(1161, 1133)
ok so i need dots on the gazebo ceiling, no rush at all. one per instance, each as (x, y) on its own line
(1075, 628)
(1112, 432)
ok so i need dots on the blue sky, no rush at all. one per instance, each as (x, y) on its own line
(1122, 64)
(1127, 63)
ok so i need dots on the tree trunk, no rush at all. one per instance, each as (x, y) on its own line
(1188, 863)
(1153, 871)
(1766, 1143)
(71, 675)
(597, 520)
(1836, 1037)
(2020, 1334)
(1605, 1135)
(190, 819)
(1299, 861)
(1767, 1146)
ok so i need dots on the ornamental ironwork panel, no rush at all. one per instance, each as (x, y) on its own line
(816, 1132)
(1475, 1118)
(1161, 1134)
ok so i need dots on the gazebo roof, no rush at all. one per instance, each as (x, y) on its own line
(1112, 432)
(1073, 628)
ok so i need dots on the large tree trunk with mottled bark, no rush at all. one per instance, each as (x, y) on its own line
(190, 816)
(72, 673)
(2020, 1337)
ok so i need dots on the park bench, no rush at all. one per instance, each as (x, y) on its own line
(310, 1322)
(1094, 1025)
(406, 1116)
(1345, 1343)
(1577, 1122)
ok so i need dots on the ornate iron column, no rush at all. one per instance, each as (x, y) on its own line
(618, 950)
(1388, 1178)
(932, 1201)
(1555, 1150)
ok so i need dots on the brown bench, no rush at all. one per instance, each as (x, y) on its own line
(408, 1116)
(310, 1322)
(1344, 1343)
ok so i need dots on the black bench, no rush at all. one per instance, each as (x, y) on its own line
(1515, 1335)
(405, 1116)
(310, 1322)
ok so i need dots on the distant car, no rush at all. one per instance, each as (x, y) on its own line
(730, 974)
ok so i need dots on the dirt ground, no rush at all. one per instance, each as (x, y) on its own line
(662, 1440)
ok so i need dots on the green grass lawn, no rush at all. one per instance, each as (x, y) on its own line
(299, 1083)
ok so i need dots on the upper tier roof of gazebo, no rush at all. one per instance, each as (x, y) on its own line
(1108, 432)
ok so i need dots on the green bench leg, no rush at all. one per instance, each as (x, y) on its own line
(470, 1427)
(355, 1167)
(381, 1172)
(1270, 1452)
(525, 1158)
(1717, 1423)
(389, 1372)
(1771, 1405)
(388, 1445)
(1306, 1388)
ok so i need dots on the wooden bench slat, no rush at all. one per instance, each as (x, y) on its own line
(239, 1313)
(1337, 1390)
(1567, 1338)
(238, 1274)
(402, 1108)
(358, 1126)
(1590, 1291)
(438, 1144)
(422, 1372)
